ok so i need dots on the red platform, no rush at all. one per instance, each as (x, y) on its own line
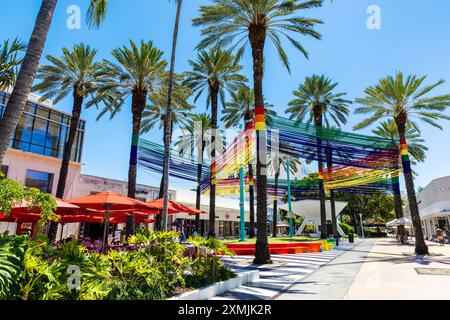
(276, 248)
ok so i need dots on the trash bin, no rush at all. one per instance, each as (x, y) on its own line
(351, 238)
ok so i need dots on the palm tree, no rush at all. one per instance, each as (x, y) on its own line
(417, 149)
(403, 100)
(275, 163)
(137, 73)
(26, 75)
(332, 132)
(194, 140)
(9, 62)
(316, 103)
(95, 16)
(241, 107)
(216, 71)
(154, 115)
(74, 73)
(236, 23)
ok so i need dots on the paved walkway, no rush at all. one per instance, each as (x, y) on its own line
(392, 271)
(286, 270)
(332, 281)
(378, 269)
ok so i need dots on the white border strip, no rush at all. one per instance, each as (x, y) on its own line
(219, 288)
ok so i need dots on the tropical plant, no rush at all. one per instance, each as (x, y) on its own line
(12, 254)
(137, 73)
(240, 108)
(236, 23)
(417, 149)
(9, 62)
(26, 75)
(193, 140)
(403, 100)
(317, 103)
(216, 71)
(13, 193)
(277, 162)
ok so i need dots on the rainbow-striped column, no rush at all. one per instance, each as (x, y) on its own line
(260, 118)
(405, 156)
(134, 149)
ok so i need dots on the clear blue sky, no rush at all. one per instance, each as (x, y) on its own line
(414, 38)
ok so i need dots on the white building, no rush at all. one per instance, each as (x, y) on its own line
(434, 206)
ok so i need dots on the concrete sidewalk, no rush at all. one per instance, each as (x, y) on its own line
(332, 281)
(378, 269)
(392, 271)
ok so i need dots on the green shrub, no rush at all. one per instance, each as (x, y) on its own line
(33, 270)
(347, 228)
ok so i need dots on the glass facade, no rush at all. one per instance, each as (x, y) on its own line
(40, 180)
(44, 131)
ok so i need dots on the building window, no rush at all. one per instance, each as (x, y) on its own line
(40, 180)
(4, 171)
(44, 131)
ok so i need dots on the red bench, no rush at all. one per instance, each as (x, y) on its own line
(277, 248)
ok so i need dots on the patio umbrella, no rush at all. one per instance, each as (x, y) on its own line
(175, 207)
(20, 217)
(24, 212)
(108, 202)
(62, 207)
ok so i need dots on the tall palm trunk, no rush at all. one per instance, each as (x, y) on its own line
(275, 205)
(76, 113)
(251, 191)
(421, 247)
(257, 35)
(398, 207)
(63, 172)
(214, 91)
(138, 105)
(251, 187)
(158, 218)
(323, 213)
(26, 75)
(199, 187)
(332, 199)
(168, 124)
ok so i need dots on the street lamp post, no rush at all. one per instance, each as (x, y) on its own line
(361, 223)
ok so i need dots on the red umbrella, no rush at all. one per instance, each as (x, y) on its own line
(76, 218)
(20, 217)
(108, 202)
(137, 220)
(26, 213)
(113, 202)
(175, 207)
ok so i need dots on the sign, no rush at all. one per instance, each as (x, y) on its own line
(117, 235)
(443, 189)
(26, 225)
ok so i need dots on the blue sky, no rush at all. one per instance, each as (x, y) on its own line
(414, 38)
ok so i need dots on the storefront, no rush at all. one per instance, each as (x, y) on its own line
(434, 207)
